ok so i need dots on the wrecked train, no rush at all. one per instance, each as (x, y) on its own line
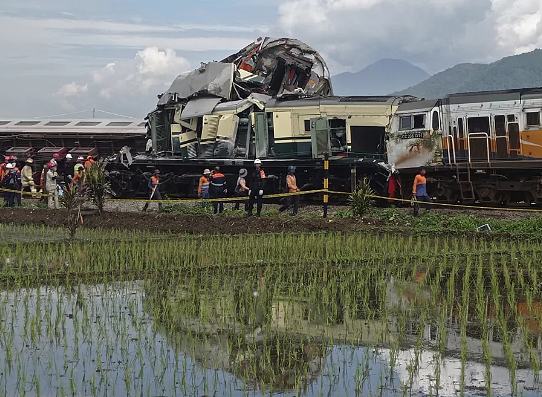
(273, 100)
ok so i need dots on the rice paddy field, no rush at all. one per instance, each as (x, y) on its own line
(324, 314)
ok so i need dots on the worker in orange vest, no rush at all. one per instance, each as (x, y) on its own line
(154, 194)
(419, 191)
(291, 183)
(218, 189)
(204, 182)
(89, 161)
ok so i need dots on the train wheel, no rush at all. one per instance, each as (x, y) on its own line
(519, 199)
(446, 195)
(489, 196)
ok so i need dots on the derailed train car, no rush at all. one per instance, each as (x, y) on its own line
(274, 101)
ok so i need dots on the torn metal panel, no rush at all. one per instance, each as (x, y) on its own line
(198, 107)
(208, 136)
(227, 134)
(213, 78)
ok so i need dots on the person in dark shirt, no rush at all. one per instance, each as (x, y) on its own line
(218, 189)
(257, 186)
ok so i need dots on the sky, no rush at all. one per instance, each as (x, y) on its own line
(64, 56)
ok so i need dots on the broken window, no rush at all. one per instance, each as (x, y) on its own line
(436, 121)
(511, 118)
(406, 123)
(338, 135)
(533, 119)
(419, 121)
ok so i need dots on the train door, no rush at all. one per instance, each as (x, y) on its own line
(478, 138)
(501, 136)
(460, 141)
(261, 134)
(513, 135)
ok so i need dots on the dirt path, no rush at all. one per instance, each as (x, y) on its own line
(178, 223)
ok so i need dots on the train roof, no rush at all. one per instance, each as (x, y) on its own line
(494, 96)
(418, 106)
(73, 126)
(335, 100)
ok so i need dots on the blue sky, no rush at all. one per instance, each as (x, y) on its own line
(60, 56)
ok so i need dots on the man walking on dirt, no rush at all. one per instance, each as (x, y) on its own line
(154, 194)
(419, 191)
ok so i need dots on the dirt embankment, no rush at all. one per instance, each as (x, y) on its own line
(177, 223)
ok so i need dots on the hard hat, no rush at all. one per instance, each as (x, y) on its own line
(89, 157)
(50, 164)
(257, 161)
(9, 166)
(69, 156)
(56, 156)
(156, 171)
(291, 168)
(79, 167)
(243, 172)
(29, 161)
(7, 158)
(206, 171)
(217, 169)
(80, 158)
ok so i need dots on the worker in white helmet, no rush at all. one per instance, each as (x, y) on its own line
(27, 176)
(257, 186)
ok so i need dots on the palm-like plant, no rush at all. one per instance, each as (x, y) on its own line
(72, 200)
(96, 185)
(361, 199)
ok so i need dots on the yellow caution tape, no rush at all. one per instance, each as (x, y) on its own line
(281, 195)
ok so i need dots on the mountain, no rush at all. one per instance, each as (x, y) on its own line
(518, 71)
(380, 78)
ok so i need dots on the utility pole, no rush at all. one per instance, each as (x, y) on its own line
(94, 113)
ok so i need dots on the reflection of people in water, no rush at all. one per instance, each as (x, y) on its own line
(253, 305)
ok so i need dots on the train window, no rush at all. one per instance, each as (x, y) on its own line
(27, 123)
(455, 131)
(460, 126)
(533, 118)
(419, 121)
(436, 122)
(511, 118)
(406, 123)
(87, 123)
(307, 126)
(500, 125)
(478, 124)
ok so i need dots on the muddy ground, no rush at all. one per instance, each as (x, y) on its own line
(178, 223)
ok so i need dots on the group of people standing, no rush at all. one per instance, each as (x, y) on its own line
(16, 181)
(213, 185)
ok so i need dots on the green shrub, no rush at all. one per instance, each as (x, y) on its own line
(361, 200)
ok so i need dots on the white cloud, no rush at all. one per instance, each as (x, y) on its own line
(72, 89)
(434, 34)
(131, 84)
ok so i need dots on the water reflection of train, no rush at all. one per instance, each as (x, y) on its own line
(302, 327)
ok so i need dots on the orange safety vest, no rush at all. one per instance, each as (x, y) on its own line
(292, 183)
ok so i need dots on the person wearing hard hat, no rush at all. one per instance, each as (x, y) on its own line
(291, 183)
(27, 176)
(257, 184)
(204, 182)
(80, 162)
(241, 189)
(154, 194)
(79, 175)
(51, 181)
(89, 161)
(218, 189)
(12, 182)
